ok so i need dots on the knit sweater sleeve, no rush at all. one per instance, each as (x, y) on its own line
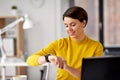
(51, 48)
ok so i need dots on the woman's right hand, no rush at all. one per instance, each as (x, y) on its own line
(57, 61)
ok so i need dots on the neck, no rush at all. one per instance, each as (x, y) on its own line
(80, 38)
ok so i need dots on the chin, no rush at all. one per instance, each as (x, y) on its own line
(73, 37)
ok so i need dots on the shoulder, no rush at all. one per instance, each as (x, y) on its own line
(94, 42)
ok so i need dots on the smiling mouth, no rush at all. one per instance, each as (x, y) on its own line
(71, 33)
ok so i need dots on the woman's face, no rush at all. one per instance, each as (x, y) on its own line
(74, 27)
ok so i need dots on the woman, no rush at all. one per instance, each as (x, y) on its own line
(67, 53)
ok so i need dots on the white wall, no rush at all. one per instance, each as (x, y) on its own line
(47, 24)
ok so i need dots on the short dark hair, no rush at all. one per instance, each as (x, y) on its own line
(76, 13)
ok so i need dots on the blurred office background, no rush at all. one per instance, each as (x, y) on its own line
(46, 15)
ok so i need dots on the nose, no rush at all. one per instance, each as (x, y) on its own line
(69, 28)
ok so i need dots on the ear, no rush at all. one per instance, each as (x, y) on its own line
(84, 23)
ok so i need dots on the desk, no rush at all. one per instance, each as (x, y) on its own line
(12, 61)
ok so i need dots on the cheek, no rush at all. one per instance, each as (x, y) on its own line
(78, 29)
(66, 30)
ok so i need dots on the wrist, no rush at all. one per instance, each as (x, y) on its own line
(47, 58)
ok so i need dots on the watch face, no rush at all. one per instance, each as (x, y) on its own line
(37, 3)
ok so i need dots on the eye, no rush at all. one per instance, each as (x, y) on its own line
(73, 24)
(66, 25)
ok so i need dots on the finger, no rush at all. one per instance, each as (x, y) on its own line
(61, 63)
(56, 62)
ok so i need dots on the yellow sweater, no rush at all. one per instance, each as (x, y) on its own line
(71, 51)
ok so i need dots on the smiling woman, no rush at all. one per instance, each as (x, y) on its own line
(67, 53)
